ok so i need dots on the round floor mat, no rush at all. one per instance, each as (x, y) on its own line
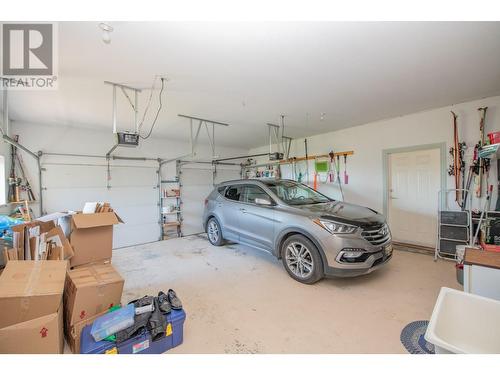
(412, 338)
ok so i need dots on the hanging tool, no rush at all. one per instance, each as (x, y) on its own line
(12, 176)
(462, 146)
(26, 187)
(485, 211)
(455, 168)
(331, 169)
(481, 144)
(470, 176)
(338, 176)
(307, 161)
(346, 176)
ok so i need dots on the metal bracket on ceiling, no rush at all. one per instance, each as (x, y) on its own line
(274, 135)
(134, 105)
(287, 145)
(195, 132)
(283, 143)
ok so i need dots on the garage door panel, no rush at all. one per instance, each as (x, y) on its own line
(139, 177)
(96, 176)
(197, 184)
(133, 234)
(62, 199)
(138, 214)
(224, 175)
(70, 176)
(133, 195)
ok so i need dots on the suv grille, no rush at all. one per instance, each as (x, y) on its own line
(377, 235)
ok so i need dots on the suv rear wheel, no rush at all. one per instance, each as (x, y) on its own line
(301, 259)
(214, 232)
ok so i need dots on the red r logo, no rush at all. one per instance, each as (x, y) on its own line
(43, 332)
(82, 314)
(111, 305)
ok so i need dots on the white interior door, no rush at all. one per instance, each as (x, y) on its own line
(414, 182)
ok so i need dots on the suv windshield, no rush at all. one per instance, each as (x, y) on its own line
(293, 193)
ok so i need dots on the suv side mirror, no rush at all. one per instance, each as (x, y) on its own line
(263, 202)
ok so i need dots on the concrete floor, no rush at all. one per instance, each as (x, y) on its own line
(240, 300)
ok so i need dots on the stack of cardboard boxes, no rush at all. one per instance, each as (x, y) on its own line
(31, 310)
(89, 292)
(33, 292)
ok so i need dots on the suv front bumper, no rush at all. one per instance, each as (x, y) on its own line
(374, 262)
(376, 255)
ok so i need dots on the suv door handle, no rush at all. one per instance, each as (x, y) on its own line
(242, 210)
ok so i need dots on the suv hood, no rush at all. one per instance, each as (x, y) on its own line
(344, 212)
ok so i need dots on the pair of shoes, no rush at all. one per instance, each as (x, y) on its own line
(164, 303)
(169, 301)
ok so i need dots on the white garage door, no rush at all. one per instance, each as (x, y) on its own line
(197, 184)
(133, 195)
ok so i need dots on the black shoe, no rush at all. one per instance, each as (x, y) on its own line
(175, 302)
(164, 303)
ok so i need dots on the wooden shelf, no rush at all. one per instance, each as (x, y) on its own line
(21, 202)
(171, 213)
(171, 224)
(313, 157)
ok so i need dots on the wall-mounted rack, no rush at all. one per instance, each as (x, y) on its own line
(299, 159)
(168, 226)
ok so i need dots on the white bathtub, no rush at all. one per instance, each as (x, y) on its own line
(464, 323)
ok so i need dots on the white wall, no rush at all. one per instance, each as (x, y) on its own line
(368, 141)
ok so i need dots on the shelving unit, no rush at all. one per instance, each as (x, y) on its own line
(168, 227)
(454, 226)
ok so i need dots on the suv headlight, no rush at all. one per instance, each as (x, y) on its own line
(336, 228)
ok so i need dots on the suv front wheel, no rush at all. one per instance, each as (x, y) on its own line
(301, 259)
(214, 232)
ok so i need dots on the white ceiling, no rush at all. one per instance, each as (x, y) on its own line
(247, 74)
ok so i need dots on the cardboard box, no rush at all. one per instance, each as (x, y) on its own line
(89, 291)
(34, 240)
(56, 236)
(31, 313)
(74, 333)
(92, 237)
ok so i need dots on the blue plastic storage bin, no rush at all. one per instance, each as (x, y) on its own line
(112, 322)
(141, 344)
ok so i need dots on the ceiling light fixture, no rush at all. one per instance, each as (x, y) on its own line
(106, 32)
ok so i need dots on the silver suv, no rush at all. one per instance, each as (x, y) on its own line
(313, 235)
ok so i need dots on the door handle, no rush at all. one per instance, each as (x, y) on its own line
(243, 210)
